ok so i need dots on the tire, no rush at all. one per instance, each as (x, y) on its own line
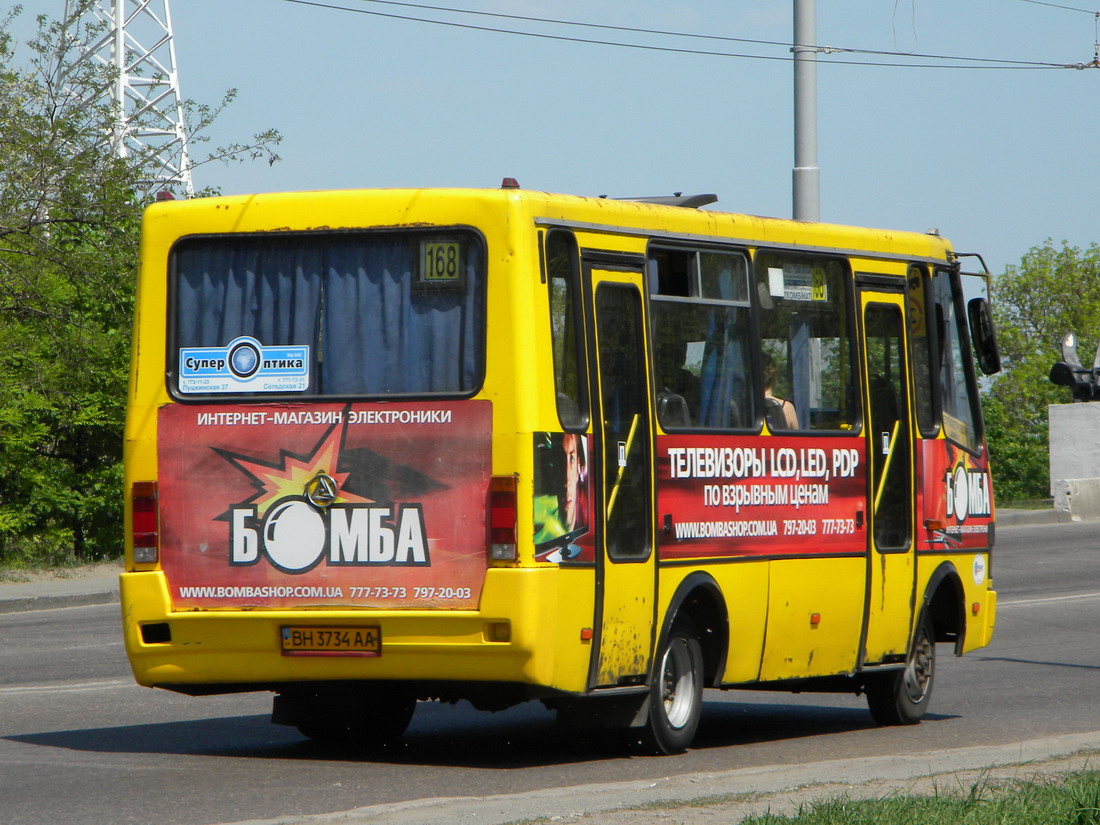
(902, 697)
(676, 692)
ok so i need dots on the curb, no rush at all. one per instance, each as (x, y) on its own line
(20, 604)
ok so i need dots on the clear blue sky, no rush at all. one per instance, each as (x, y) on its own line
(998, 160)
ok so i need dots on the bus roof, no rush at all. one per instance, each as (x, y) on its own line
(652, 217)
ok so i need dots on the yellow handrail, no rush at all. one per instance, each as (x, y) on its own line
(886, 466)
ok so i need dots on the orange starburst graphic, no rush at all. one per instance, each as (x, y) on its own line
(290, 476)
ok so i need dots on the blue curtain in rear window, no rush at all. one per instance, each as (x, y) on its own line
(372, 330)
(385, 335)
(268, 290)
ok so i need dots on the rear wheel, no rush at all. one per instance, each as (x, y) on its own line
(676, 691)
(901, 697)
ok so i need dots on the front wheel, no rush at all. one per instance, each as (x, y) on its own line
(676, 691)
(901, 697)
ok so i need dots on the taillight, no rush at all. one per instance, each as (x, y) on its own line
(502, 518)
(144, 519)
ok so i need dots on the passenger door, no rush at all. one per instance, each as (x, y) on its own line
(891, 575)
(626, 573)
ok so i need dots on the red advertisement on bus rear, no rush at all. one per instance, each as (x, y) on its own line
(295, 505)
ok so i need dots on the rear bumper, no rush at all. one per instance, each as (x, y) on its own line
(216, 651)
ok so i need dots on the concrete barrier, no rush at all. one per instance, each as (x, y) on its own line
(1080, 497)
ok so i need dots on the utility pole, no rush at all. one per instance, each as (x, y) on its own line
(137, 41)
(806, 177)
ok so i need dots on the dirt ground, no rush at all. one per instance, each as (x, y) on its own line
(18, 575)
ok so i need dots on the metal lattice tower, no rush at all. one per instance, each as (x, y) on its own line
(137, 42)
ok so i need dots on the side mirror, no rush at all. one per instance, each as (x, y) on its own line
(983, 336)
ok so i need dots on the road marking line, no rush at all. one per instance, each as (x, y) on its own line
(69, 688)
(1048, 600)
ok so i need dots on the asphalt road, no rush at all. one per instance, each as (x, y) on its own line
(80, 743)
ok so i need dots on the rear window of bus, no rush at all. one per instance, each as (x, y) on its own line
(327, 314)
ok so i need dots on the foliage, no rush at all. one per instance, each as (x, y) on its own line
(69, 220)
(1068, 800)
(1053, 290)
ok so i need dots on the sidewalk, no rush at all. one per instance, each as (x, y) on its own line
(1022, 518)
(94, 584)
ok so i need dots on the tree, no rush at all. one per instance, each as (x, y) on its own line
(1051, 291)
(69, 221)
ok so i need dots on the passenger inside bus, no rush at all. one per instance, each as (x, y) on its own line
(677, 389)
(780, 412)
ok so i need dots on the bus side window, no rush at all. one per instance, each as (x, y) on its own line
(805, 330)
(563, 275)
(958, 392)
(700, 315)
(671, 272)
(923, 324)
(946, 391)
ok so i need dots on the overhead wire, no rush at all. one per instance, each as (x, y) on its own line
(1095, 15)
(970, 62)
(1060, 6)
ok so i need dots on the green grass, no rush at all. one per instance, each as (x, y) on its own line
(1068, 799)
